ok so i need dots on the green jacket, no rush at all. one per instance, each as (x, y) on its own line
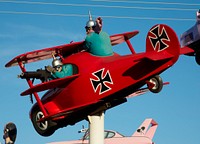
(67, 70)
(99, 44)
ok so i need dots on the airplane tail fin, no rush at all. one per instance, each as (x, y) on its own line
(162, 38)
(147, 128)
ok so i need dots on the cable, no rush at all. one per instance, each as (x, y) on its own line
(92, 5)
(149, 2)
(150, 18)
(47, 14)
(106, 16)
(89, 5)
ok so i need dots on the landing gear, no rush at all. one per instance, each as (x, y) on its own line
(155, 84)
(45, 128)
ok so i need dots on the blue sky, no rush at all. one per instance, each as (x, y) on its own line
(31, 25)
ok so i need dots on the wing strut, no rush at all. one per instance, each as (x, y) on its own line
(21, 65)
(130, 46)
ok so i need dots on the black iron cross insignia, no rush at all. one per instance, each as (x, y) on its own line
(158, 38)
(101, 81)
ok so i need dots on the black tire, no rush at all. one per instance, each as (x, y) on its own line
(197, 57)
(45, 128)
(157, 81)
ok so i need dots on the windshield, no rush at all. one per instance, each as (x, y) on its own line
(107, 134)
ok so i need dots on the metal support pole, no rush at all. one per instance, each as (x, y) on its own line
(96, 128)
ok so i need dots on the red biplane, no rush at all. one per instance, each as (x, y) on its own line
(98, 83)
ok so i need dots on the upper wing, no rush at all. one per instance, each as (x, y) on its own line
(46, 53)
(64, 50)
(119, 38)
(57, 83)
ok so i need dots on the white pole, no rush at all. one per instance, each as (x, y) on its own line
(96, 128)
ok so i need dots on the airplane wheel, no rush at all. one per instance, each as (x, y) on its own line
(197, 57)
(157, 84)
(45, 128)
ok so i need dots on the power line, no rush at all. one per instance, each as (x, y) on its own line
(46, 14)
(150, 18)
(94, 5)
(91, 5)
(105, 16)
(149, 2)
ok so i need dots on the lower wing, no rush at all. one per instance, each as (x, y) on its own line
(57, 83)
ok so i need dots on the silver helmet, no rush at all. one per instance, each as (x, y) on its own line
(90, 23)
(56, 62)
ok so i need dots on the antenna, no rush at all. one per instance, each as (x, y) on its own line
(90, 16)
(90, 23)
